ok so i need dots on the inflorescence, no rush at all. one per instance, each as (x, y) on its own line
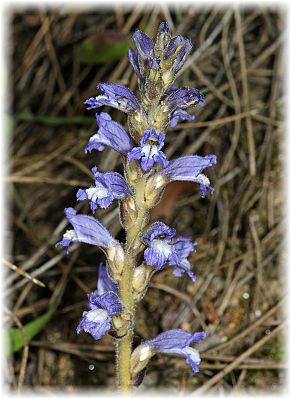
(124, 278)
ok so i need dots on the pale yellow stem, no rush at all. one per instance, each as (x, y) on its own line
(124, 346)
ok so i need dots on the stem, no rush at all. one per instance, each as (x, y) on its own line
(124, 355)
(124, 344)
(125, 287)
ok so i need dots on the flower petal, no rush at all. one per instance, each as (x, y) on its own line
(95, 322)
(189, 168)
(157, 230)
(133, 59)
(185, 97)
(143, 43)
(180, 115)
(116, 96)
(89, 230)
(183, 267)
(108, 301)
(111, 134)
(156, 257)
(105, 284)
(175, 339)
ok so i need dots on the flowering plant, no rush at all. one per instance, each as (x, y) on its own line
(124, 278)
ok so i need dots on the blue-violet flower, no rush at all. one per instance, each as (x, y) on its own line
(110, 134)
(87, 229)
(108, 186)
(162, 249)
(185, 97)
(149, 150)
(97, 320)
(116, 96)
(177, 342)
(189, 168)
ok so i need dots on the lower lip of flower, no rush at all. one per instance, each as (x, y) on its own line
(97, 192)
(162, 247)
(97, 315)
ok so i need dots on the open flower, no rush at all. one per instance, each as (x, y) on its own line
(149, 150)
(110, 134)
(160, 249)
(115, 96)
(188, 168)
(97, 321)
(163, 249)
(172, 342)
(177, 342)
(103, 303)
(108, 186)
(185, 97)
(88, 230)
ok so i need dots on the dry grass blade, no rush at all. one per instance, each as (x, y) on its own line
(22, 273)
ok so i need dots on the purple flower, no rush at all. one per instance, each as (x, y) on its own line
(103, 303)
(180, 115)
(185, 97)
(88, 230)
(160, 249)
(143, 58)
(105, 283)
(189, 168)
(110, 134)
(143, 43)
(182, 47)
(103, 307)
(108, 187)
(116, 96)
(177, 342)
(149, 150)
(183, 247)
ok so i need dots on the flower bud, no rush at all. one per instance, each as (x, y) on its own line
(154, 189)
(137, 123)
(133, 172)
(161, 117)
(168, 77)
(141, 279)
(115, 261)
(163, 38)
(140, 358)
(121, 324)
(128, 212)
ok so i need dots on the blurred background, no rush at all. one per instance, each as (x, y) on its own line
(57, 57)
